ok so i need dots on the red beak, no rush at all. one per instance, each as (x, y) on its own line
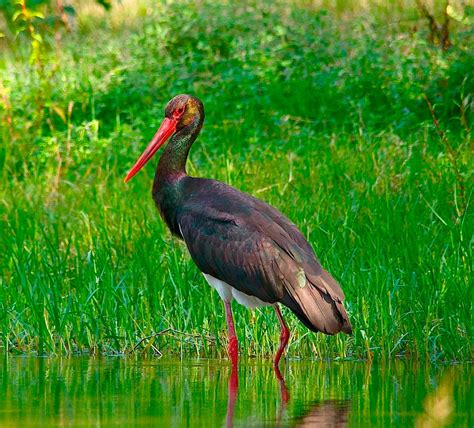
(165, 131)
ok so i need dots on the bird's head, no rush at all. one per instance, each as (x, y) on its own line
(180, 112)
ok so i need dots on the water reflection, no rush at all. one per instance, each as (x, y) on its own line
(234, 389)
(328, 413)
(124, 391)
(232, 395)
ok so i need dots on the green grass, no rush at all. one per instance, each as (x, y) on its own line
(319, 112)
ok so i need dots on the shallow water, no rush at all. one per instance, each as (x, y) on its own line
(115, 391)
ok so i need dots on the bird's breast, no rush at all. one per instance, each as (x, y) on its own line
(168, 200)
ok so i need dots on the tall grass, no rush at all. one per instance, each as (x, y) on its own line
(323, 115)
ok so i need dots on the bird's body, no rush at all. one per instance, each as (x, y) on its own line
(245, 248)
(251, 247)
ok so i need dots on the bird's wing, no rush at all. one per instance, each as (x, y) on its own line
(255, 249)
(223, 247)
(241, 240)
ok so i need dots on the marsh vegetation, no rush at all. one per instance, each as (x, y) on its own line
(347, 119)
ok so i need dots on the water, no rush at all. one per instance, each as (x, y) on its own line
(110, 391)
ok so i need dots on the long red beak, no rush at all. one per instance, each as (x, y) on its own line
(166, 129)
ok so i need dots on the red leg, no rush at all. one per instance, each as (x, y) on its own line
(284, 336)
(233, 344)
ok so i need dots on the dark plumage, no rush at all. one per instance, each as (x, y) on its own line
(237, 238)
(252, 247)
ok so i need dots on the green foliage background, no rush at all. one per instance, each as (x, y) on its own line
(321, 111)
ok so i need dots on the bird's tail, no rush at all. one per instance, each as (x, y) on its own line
(319, 304)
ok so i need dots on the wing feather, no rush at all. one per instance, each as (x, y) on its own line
(255, 249)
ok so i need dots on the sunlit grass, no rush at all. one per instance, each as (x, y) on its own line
(326, 123)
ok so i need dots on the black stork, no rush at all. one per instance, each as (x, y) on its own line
(245, 248)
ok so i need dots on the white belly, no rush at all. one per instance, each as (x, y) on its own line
(227, 293)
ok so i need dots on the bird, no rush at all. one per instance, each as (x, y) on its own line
(246, 249)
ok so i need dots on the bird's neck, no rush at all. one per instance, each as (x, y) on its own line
(168, 186)
(171, 169)
(172, 163)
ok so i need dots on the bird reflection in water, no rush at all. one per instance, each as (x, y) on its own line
(327, 413)
(233, 391)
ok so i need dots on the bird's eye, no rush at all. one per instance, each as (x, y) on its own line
(178, 112)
